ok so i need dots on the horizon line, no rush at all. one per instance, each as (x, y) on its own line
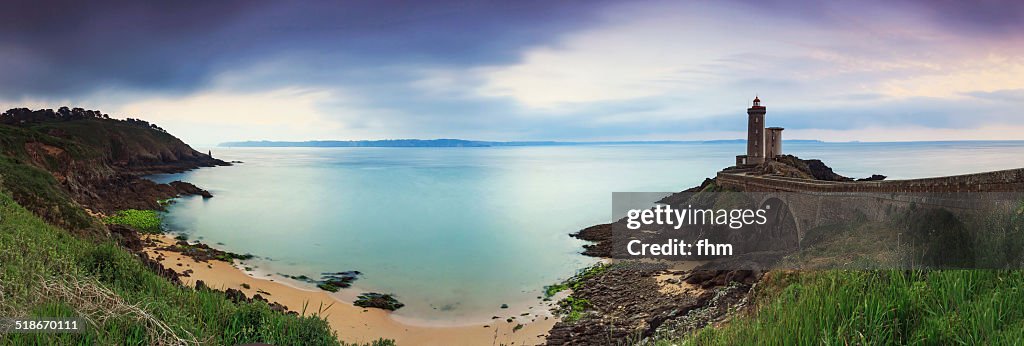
(484, 143)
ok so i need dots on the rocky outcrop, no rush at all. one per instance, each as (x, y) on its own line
(795, 167)
(634, 300)
(873, 177)
(126, 236)
(95, 162)
(185, 188)
(204, 253)
(600, 235)
(131, 192)
(378, 300)
(159, 269)
(239, 297)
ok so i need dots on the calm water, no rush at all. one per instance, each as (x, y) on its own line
(456, 232)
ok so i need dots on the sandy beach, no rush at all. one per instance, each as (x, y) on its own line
(353, 323)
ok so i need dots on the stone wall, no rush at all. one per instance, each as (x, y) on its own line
(1011, 180)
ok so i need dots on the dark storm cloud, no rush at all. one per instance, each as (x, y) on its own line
(62, 48)
(70, 47)
(981, 17)
(987, 17)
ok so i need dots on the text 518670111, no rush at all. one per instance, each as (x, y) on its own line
(41, 325)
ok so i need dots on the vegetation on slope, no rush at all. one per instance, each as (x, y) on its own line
(572, 308)
(47, 272)
(147, 221)
(94, 160)
(945, 307)
(38, 190)
(894, 306)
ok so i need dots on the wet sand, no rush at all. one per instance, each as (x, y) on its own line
(353, 323)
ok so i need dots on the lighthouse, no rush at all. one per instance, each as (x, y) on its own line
(755, 132)
(761, 145)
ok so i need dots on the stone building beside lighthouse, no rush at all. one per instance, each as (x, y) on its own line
(762, 143)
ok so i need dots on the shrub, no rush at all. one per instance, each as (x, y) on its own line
(147, 221)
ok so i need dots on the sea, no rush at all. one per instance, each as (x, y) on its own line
(455, 233)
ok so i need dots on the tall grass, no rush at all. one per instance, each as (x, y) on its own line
(896, 306)
(947, 307)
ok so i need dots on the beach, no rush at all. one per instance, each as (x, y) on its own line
(352, 323)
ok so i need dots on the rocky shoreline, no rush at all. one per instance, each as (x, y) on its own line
(635, 300)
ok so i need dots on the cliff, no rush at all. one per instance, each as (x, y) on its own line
(56, 163)
(62, 260)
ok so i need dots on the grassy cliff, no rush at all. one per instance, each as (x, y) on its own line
(58, 164)
(57, 259)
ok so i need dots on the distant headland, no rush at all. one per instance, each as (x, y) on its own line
(444, 142)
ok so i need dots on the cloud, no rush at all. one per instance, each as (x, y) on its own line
(710, 51)
(1011, 95)
(524, 70)
(69, 48)
(992, 132)
(205, 117)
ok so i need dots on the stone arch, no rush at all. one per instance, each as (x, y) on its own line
(782, 231)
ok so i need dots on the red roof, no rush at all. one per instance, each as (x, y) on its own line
(757, 99)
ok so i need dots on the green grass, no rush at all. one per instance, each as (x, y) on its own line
(947, 307)
(147, 221)
(37, 190)
(48, 272)
(114, 137)
(577, 280)
(895, 306)
(13, 140)
(572, 308)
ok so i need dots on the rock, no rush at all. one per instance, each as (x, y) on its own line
(204, 253)
(816, 169)
(594, 233)
(328, 287)
(126, 236)
(278, 307)
(159, 268)
(629, 291)
(235, 295)
(185, 188)
(378, 300)
(504, 306)
(335, 281)
(873, 177)
(351, 273)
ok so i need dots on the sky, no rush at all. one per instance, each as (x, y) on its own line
(219, 71)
